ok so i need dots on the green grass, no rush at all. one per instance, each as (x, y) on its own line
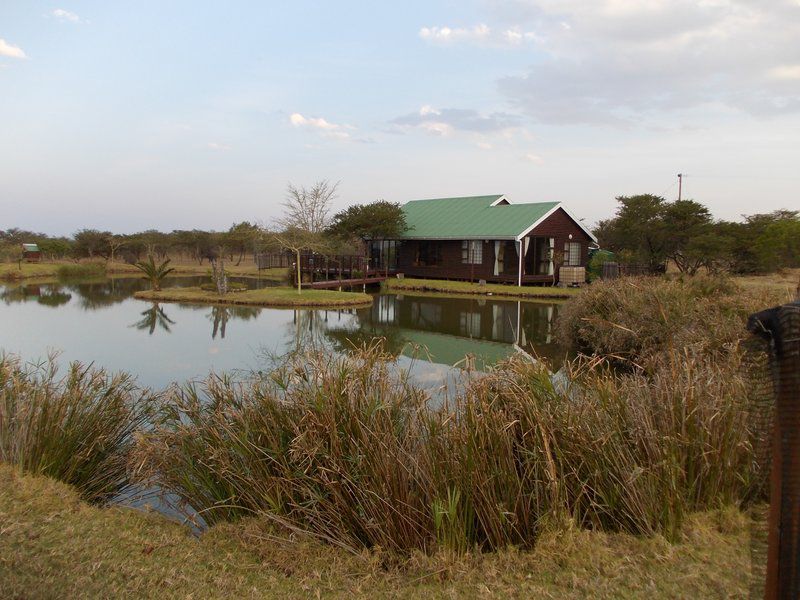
(468, 287)
(54, 545)
(14, 271)
(274, 296)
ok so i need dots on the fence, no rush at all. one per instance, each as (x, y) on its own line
(779, 327)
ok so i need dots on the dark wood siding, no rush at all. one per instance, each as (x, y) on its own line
(560, 225)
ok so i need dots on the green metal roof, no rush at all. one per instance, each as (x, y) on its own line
(471, 217)
(30, 247)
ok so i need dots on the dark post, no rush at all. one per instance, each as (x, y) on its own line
(781, 326)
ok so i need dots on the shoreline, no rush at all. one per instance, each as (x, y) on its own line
(491, 290)
(273, 297)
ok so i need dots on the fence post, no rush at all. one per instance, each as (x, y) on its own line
(781, 327)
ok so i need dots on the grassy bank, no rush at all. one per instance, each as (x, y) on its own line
(53, 544)
(44, 270)
(276, 296)
(468, 287)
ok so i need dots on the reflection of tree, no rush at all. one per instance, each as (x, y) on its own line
(220, 315)
(55, 297)
(152, 318)
(21, 293)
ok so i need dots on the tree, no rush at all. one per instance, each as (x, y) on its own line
(240, 238)
(638, 228)
(153, 272)
(377, 220)
(688, 237)
(91, 242)
(297, 240)
(308, 209)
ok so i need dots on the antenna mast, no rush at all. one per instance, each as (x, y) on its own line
(680, 185)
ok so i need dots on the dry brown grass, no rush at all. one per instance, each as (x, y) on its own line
(54, 545)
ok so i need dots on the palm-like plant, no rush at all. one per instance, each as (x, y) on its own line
(155, 273)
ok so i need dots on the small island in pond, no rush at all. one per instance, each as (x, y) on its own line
(273, 296)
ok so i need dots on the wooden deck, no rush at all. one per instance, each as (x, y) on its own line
(342, 283)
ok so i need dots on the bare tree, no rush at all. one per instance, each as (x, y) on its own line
(297, 241)
(308, 209)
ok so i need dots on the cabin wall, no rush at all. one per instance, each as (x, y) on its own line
(560, 225)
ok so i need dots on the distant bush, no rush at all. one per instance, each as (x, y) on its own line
(77, 428)
(82, 270)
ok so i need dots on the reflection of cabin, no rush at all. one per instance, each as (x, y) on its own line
(485, 237)
(31, 253)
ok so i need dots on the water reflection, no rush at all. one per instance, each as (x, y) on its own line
(99, 321)
(154, 318)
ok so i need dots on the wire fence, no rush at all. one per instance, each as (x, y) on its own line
(774, 369)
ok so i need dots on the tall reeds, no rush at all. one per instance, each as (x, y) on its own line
(77, 427)
(342, 449)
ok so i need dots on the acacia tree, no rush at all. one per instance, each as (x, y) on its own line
(296, 241)
(307, 209)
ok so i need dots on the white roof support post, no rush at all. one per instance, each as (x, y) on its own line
(521, 258)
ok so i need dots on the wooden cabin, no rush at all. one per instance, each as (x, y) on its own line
(485, 238)
(31, 253)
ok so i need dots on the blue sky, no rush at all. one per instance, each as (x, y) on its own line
(127, 116)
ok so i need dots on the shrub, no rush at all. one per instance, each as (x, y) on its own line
(77, 428)
(631, 320)
(82, 270)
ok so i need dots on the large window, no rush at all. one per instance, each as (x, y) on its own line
(572, 254)
(428, 254)
(383, 254)
(472, 252)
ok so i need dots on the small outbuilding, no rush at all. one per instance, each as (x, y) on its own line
(485, 238)
(31, 253)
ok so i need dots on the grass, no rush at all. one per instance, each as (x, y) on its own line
(274, 296)
(82, 270)
(341, 449)
(785, 282)
(55, 545)
(633, 320)
(13, 271)
(77, 428)
(468, 287)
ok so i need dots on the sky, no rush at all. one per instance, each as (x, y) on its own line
(176, 115)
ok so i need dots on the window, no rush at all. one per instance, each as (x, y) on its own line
(383, 254)
(428, 254)
(472, 252)
(572, 254)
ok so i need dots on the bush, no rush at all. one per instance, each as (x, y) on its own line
(78, 428)
(341, 449)
(631, 320)
(82, 270)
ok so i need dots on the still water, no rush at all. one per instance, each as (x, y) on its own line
(100, 322)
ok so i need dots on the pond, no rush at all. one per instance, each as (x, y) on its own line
(100, 322)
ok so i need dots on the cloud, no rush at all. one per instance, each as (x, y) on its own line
(10, 50)
(534, 158)
(446, 121)
(65, 15)
(481, 34)
(627, 61)
(218, 146)
(327, 128)
(784, 72)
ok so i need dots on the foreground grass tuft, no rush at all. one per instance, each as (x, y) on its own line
(77, 428)
(54, 545)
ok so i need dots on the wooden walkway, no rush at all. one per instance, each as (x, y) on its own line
(337, 283)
